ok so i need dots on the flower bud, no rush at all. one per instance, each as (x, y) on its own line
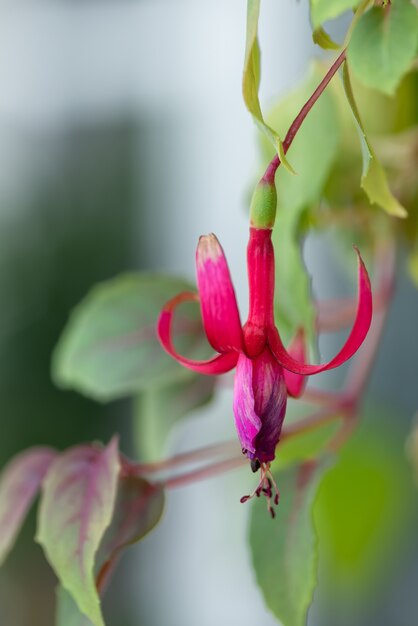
(263, 205)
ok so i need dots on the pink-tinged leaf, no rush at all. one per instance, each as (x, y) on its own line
(217, 296)
(139, 506)
(259, 404)
(19, 484)
(77, 505)
(295, 383)
(355, 339)
(110, 349)
(218, 365)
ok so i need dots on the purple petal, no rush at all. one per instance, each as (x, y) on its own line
(247, 422)
(259, 404)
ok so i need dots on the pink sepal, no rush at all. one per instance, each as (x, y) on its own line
(296, 383)
(217, 296)
(218, 365)
(355, 339)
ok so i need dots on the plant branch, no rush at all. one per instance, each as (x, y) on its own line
(185, 458)
(297, 122)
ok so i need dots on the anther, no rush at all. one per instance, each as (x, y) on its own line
(255, 465)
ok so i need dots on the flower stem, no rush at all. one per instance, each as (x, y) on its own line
(205, 472)
(184, 458)
(297, 122)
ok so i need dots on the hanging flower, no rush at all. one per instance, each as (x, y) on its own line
(266, 373)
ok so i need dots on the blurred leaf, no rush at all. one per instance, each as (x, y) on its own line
(363, 509)
(383, 45)
(284, 550)
(324, 10)
(139, 506)
(77, 505)
(157, 410)
(387, 115)
(19, 484)
(413, 265)
(313, 152)
(251, 80)
(321, 37)
(412, 448)
(110, 349)
(306, 446)
(67, 612)
(373, 179)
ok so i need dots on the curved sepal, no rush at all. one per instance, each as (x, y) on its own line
(218, 365)
(355, 339)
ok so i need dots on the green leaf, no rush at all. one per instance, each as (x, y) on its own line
(67, 611)
(284, 550)
(313, 152)
(158, 410)
(413, 265)
(251, 80)
(306, 446)
(364, 509)
(110, 349)
(19, 483)
(321, 37)
(383, 45)
(373, 179)
(77, 504)
(324, 10)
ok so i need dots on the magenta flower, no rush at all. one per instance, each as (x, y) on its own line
(266, 373)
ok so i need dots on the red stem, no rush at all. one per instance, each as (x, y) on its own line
(180, 459)
(297, 122)
(205, 472)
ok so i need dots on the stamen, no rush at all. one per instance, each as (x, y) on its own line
(266, 486)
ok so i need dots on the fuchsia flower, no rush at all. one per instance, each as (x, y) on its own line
(266, 373)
